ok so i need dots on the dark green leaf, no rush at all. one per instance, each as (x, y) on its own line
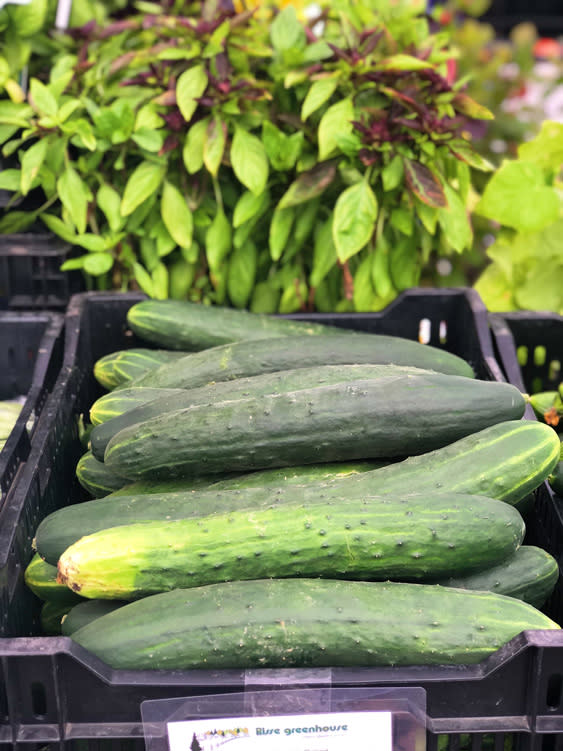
(365, 297)
(280, 227)
(380, 269)
(265, 298)
(404, 264)
(355, 213)
(402, 220)
(249, 161)
(242, 274)
(176, 215)
(309, 185)
(16, 221)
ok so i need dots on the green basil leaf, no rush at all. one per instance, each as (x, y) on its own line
(319, 93)
(546, 149)
(324, 253)
(142, 183)
(214, 145)
(16, 221)
(143, 279)
(280, 227)
(283, 151)
(41, 98)
(364, 297)
(165, 243)
(294, 296)
(218, 240)
(191, 85)
(159, 277)
(109, 202)
(74, 263)
(265, 298)
(404, 263)
(428, 215)
(335, 122)
(355, 213)
(176, 215)
(180, 277)
(10, 179)
(93, 243)
(392, 174)
(192, 153)
(73, 193)
(381, 269)
(454, 222)
(249, 161)
(97, 264)
(150, 140)
(247, 207)
(286, 31)
(403, 62)
(242, 274)
(402, 220)
(149, 253)
(31, 161)
(60, 228)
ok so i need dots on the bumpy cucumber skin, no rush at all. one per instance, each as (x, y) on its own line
(117, 402)
(368, 419)
(118, 368)
(415, 538)
(96, 477)
(192, 326)
(85, 612)
(259, 385)
(530, 574)
(308, 623)
(41, 578)
(247, 358)
(506, 461)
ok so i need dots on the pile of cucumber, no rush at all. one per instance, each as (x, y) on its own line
(270, 493)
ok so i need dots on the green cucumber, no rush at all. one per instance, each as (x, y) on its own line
(260, 385)
(176, 324)
(96, 477)
(530, 574)
(247, 358)
(506, 461)
(51, 616)
(152, 487)
(41, 578)
(308, 623)
(87, 611)
(555, 479)
(364, 419)
(413, 537)
(117, 402)
(122, 366)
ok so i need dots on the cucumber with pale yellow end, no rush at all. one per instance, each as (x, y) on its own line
(307, 623)
(506, 461)
(399, 537)
(117, 402)
(96, 477)
(122, 366)
(41, 578)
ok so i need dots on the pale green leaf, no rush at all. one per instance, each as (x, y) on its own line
(546, 149)
(319, 93)
(31, 161)
(218, 240)
(109, 202)
(97, 264)
(454, 221)
(242, 274)
(191, 85)
(286, 31)
(280, 228)
(335, 122)
(214, 146)
(247, 206)
(10, 179)
(74, 196)
(194, 144)
(58, 227)
(41, 98)
(143, 182)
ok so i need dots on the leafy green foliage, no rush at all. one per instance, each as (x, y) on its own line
(198, 152)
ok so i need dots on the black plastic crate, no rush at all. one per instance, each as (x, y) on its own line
(31, 349)
(30, 272)
(53, 694)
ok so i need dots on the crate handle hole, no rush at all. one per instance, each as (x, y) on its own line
(38, 700)
(424, 330)
(554, 370)
(539, 355)
(443, 332)
(522, 355)
(554, 687)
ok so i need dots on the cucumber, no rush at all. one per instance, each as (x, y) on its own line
(413, 537)
(117, 402)
(530, 574)
(266, 383)
(152, 487)
(86, 612)
(122, 366)
(364, 419)
(247, 358)
(192, 326)
(506, 461)
(41, 578)
(96, 477)
(555, 479)
(300, 623)
(51, 616)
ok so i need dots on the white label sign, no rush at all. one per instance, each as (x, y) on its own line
(361, 731)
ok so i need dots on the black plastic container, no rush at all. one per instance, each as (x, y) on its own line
(30, 273)
(31, 351)
(53, 694)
